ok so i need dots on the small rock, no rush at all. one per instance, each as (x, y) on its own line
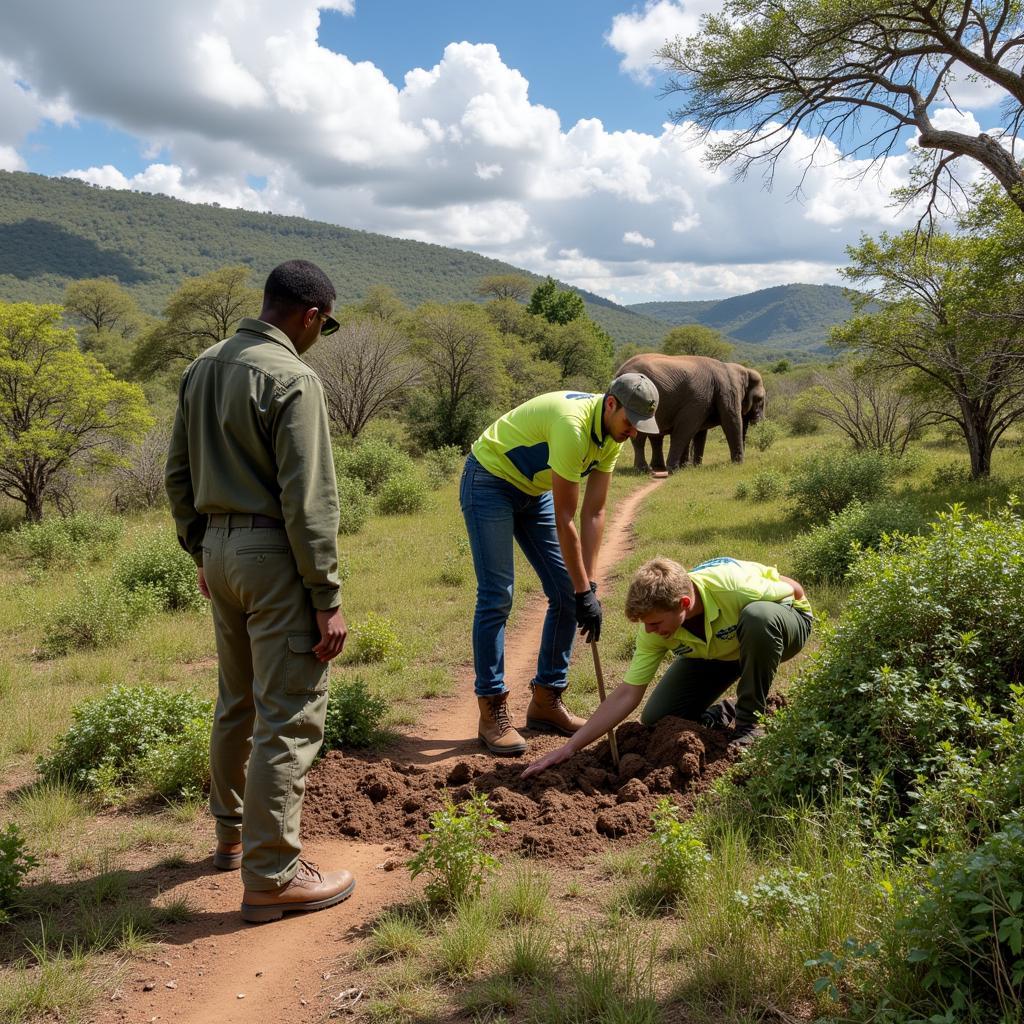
(390, 864)
(259, 974)
(149, 986)
(171, 984)
(241, 995)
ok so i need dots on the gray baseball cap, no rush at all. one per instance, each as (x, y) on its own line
(638, 395)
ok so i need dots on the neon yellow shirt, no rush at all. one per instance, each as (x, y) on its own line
(726, 586)
(560, 431)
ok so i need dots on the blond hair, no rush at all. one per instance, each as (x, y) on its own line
(657, 586)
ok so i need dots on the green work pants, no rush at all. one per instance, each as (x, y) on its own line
(271, 698)
(768, 634)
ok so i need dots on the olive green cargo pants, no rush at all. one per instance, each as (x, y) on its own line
(768, 633)
(271, 701)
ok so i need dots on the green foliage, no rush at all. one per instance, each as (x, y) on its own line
(782, 366)
(15, 863)
(441, 464)
(912, 693)
(161, 566)
(453, 856)
(101, 613)
(763, 435)
(62, 410)
(104, 306)
(555, 305)
(354, 716)
(62, 541)
(779, 896)
(402, 495)
(117, 740)
(373, 461)
(680, 858)
(376, 639)
(802, 418)
(826, 483)
(829, 549)
(764, 485)
(454, 569)
(354, 505)
(696, 340)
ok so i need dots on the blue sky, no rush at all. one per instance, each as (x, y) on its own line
(532, 132)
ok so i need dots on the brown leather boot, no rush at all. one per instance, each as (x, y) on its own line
(495, 730)
(307, 890)
(227, 856)
(547, 713)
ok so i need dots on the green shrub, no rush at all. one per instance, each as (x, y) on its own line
(680, 857)
(402, 495)
(101, 613)
(828, 550)
(375, 639)
(742, 492)
(160, 565)
(828, 482)
(453, 855)
(763, 435)
(455, 568)
(441, 464)
(373, 461)
(780, 895)
(803, 420)
(115, 741)
(15, 863)
(764, 485)
(354, 716)
(66, 540)
(353, 505)
(913, 689)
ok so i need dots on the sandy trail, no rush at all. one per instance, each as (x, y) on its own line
(217, 970)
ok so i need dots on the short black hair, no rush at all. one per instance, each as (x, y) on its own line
(298, 283)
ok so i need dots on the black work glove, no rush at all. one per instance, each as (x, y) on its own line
(588, 615)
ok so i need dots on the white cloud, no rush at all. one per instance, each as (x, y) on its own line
(10, 159)
(638, 35)
(635, 238)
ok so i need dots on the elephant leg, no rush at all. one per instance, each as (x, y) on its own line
(639, 461)
(699, 441)
(732, 424)
(657, 452)
(677, 450)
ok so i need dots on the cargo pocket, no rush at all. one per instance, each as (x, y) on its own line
(304, 672)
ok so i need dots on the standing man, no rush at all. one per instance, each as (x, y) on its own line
(522, 481)
(251, 483)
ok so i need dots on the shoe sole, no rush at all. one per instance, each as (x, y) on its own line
(504, 751)
(274, 912)
(224, 862)
(538, 726)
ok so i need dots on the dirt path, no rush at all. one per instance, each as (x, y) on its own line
(217, 969)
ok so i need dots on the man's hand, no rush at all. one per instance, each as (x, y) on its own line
(201, 583)
(542, 764)
(333, 633)
(588, 615)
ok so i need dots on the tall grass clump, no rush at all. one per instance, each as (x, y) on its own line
(826, 552)
(161, 566)
(62, 541)
(134, 738)
(827, 482)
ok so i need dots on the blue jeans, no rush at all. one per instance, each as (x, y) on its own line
(496, 512)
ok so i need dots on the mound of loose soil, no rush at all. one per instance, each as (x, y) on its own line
(567, 812)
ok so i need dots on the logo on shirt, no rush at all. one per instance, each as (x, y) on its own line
(727, 633)
(578, 394)
(682, 649)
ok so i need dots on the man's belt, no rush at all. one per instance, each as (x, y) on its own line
(245, 520)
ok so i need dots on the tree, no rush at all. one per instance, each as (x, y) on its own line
(952, 317)
(557, 307)
(861, 74)
(869, 407)
(203, 311)
(379, 303)
(696, 340)
(462, 372)
(505, 286)
(365, 367)
(581, 349)
(104, 306)
(60, 409)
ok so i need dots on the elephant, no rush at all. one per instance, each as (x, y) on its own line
(696, 393)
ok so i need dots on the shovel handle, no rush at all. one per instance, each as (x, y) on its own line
(600, 692)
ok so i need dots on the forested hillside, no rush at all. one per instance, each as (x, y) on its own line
(55, 230)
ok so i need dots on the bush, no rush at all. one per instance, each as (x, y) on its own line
(441, 464)
(453, 856)
(117, 740)
(160, 565)
(764, 485)
(826, 483)
(402, 495)
(373, 461)
(680, 856)
(354, 716)
(353, 505)
(763, 435)
(375, 639)
(779, 896)
(803, 420)
(454, 569)
(15, 863)
(66, 540)
(828, 551)
(101, 613)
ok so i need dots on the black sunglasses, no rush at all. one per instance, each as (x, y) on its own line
(330, 325)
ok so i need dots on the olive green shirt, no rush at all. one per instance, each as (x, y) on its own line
(251, 435)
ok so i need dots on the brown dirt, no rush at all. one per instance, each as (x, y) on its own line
(217, 969)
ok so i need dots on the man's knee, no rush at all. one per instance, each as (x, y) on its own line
(760, 626)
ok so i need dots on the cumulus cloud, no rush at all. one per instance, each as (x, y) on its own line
(457, 154)
(638, 35)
